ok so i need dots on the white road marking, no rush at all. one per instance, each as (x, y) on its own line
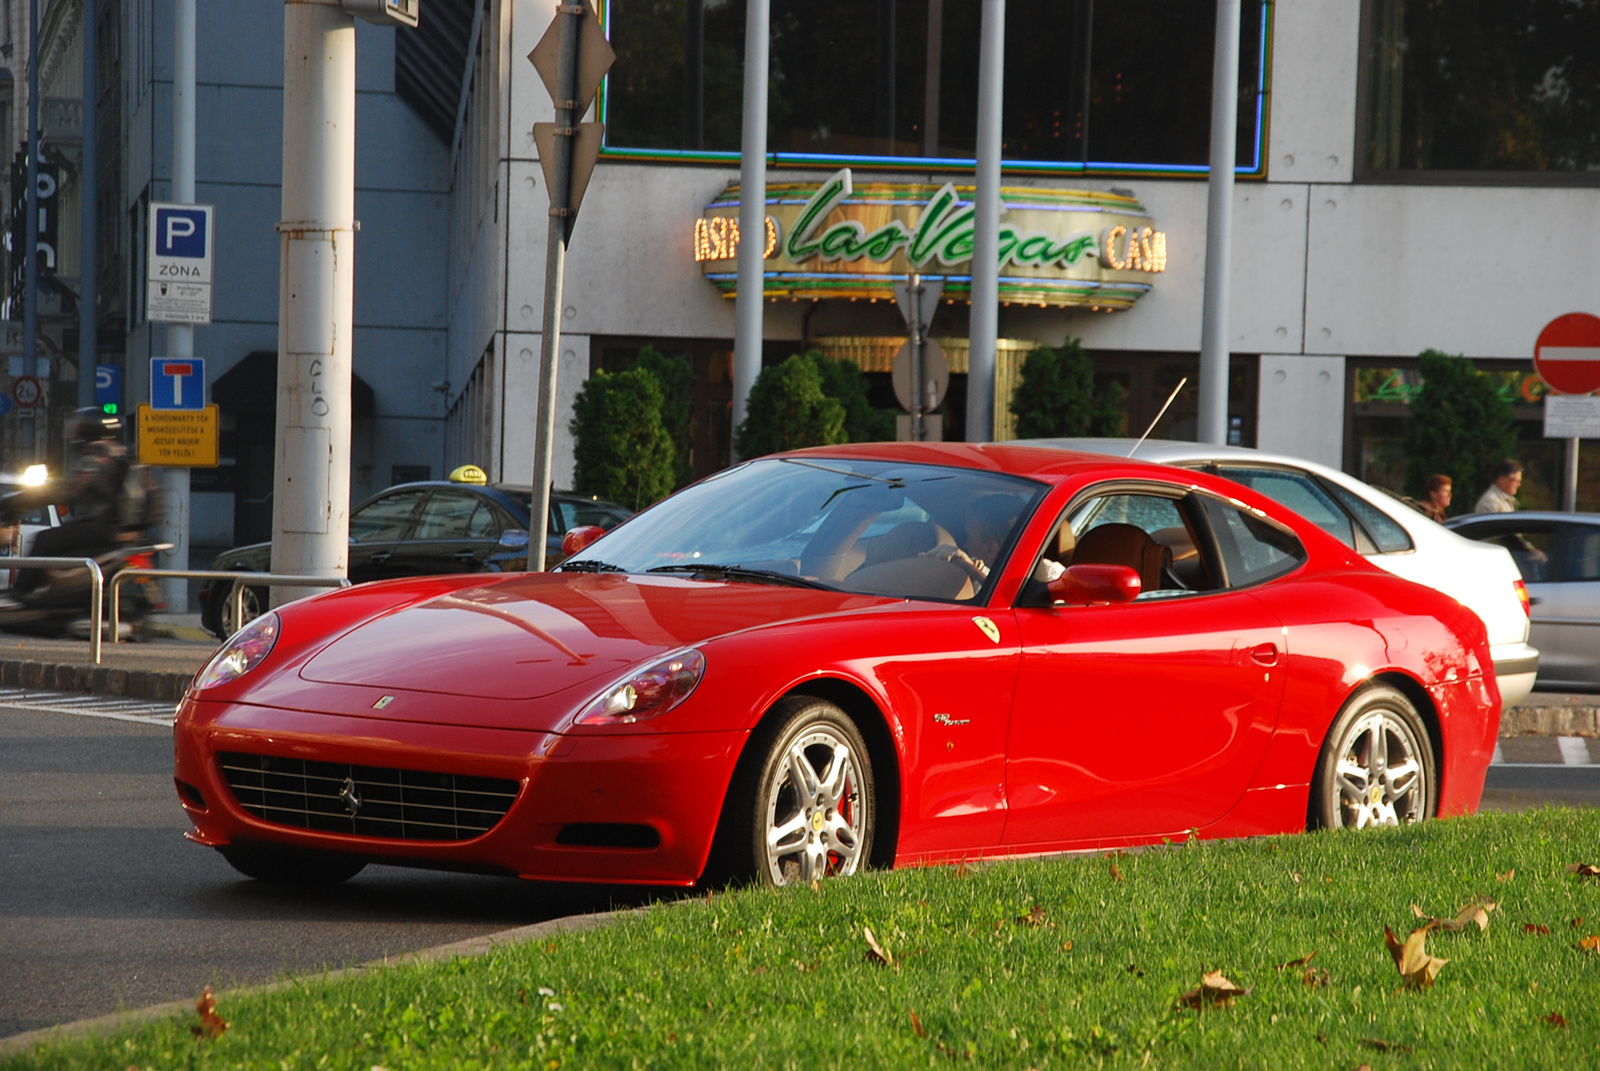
(118, 708)
(1499, 755)
(1574, 750)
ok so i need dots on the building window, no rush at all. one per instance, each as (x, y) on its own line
(1113, 87)
(1483, 85)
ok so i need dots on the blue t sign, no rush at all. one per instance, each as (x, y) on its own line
(177, 384)
(180, 232)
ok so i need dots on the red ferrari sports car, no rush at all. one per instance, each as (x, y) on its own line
(868, 655)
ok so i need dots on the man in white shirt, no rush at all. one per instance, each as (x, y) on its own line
(1501, 497)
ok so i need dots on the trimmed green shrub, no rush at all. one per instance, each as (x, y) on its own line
(1460, 426)
(623, 452)
(1056, 396)
(675, 375)
(843, 379)
(788, 409)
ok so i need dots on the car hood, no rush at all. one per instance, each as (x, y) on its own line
(534, 635)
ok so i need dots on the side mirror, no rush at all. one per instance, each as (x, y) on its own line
(1085, 584)
(514, 537)
(580, 537)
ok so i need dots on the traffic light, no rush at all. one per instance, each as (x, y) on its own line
(110, 408)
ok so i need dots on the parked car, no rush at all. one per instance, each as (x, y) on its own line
(1383, 529)
(1559, 556)
(876, 654)
(423, 529)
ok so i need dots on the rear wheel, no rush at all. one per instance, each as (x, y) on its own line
(291, 866)
(1377, 766)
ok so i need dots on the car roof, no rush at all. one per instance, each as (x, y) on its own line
(1041, 461)
(1542, 515)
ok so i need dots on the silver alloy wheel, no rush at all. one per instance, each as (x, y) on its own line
(1380, 774)
(249, 610)
(816, 816)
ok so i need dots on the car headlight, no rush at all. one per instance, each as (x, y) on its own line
(647, 692)
(244, 651)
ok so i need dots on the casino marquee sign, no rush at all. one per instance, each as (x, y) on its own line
(1062, 248)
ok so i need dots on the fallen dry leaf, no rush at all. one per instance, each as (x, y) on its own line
(1295, 877)
(1411, 957)
(1507, 876)
(211, 1024)
(1535, 928)
(1034, 917)
(1589, 944)
(1316, 977)
(1557, 1020)
(1473, 911)
(1116, 872)
(1066, 946)
(1576, 922)
(1214, 991)
(916, 1024)
(1584, 870)
(1386, 1046)
(1301, 962)
(876, 953)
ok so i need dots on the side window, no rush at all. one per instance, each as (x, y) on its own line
(574, 514)
(1582, 558)
(383, 521)
(1253, 550)
(1148, 533)
(1384, 529)
(1297, 491)
(448, 515)
(486, 522)
(1532, 550)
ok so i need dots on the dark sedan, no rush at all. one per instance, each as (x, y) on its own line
(420, 529)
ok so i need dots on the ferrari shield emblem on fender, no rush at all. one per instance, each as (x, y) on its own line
(988, 628)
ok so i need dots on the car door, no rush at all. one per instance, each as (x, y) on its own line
(454, 532)
(376, 530)
(1560, 565)
(1148, 718)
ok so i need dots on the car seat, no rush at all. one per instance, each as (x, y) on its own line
(1125, 544)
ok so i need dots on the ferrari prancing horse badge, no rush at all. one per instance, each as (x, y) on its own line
(988, 628)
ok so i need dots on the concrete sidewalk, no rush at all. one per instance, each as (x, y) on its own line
(161, 668)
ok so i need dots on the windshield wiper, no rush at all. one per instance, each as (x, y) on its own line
(892, 481)
(589, 565)
(739, 572)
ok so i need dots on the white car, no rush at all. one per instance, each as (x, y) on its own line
(1384, 530)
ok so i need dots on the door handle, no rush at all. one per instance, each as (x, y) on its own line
(1264, 654)
(465, 555)
(381, 557)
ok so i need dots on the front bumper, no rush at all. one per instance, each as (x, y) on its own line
(1516, 665)
(672, 783)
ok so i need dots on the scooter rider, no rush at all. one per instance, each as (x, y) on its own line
(95, 493)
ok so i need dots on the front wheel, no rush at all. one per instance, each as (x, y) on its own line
(251, 604)
(1377, 766)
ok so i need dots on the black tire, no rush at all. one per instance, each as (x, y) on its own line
(830, 822)
(291, 866)
(223, 625)
(1378, 732)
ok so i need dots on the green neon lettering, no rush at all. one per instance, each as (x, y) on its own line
(1008, 244)
(925, 239)
(1032, 249)
(799, 246)
(839, 240)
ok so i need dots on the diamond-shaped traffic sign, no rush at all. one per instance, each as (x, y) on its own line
(595, 58)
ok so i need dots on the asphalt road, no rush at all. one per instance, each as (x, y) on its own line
(104, 905)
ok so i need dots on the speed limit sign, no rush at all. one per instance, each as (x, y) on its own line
(27, 392)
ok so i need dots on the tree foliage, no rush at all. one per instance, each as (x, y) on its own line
(789, 409)
(623, 452)
(675, 376)
(1056, 396)
(1460, 426)
(844, 380)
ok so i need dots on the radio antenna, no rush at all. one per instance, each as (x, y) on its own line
(1170, 399)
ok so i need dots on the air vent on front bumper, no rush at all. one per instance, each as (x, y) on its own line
(371, 801)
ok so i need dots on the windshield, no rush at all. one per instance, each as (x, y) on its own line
(884, 528)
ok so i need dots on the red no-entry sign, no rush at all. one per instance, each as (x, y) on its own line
(1567, 355)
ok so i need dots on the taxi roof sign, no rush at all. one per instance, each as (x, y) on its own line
(469, 474)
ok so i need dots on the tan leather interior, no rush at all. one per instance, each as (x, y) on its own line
(907, 540)
(1124, 544)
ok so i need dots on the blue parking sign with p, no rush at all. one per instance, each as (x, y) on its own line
(177, 383)
(180, 232)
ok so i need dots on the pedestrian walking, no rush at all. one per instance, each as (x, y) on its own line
(1436, 500)
(1501, 497)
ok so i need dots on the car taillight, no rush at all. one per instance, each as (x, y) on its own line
(141, 561)
(1522, 596)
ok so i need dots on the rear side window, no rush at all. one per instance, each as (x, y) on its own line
(1385, 531)
(1253, 550)
(1583, 553)
(1297, 491)
(384, 520)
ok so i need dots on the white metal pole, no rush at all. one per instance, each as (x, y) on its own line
(1214, 332)
(750, 303)
(180, 337)
(984, 327)
(311, 478)
(1569, 488)
(89, 213)
(30, 300)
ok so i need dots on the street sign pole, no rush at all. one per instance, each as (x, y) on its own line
(30, 300)
(572, 57)
(1567, 357)
(918, 298)
(1215, 338)
(918, 434)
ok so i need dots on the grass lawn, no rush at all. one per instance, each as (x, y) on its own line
(1052, 963)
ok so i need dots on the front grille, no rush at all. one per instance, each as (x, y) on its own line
(372, 801)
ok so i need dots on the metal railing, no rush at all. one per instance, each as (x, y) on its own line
(97, 585)
(235, 597)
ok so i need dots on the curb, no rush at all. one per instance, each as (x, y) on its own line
(100, 680)
(1551, 721)
(472, 946)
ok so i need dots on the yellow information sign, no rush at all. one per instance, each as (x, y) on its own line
(183, 438)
